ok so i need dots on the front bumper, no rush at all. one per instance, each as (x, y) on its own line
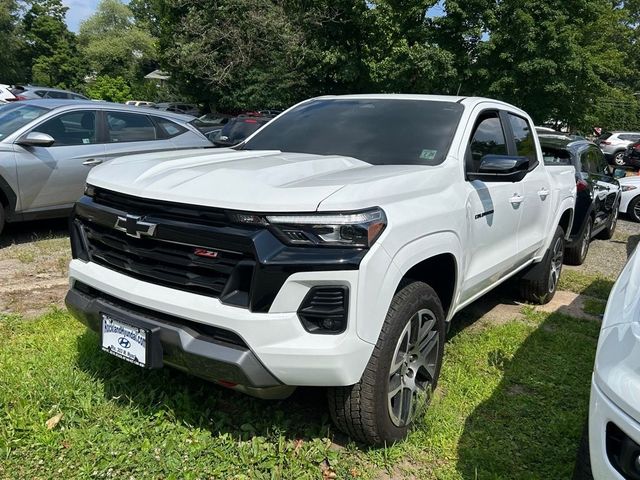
(602, 413)
(279, 351)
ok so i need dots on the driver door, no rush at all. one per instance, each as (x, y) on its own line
(54, 177)
(493, 211)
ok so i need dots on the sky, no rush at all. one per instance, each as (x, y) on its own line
(80, 10)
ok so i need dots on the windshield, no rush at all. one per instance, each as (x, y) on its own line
(16, 116)
(238, 129)
(377, 131)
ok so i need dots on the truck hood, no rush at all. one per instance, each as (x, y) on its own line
(265, 181)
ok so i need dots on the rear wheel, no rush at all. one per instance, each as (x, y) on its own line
(540, 283)
(576, 254)
(618, 158)
(402, 371)
(633, 210)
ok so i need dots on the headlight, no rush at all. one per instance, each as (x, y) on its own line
(358, 229)
(89, 190)
(626, 188)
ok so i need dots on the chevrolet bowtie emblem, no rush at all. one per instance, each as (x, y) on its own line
(133, 227)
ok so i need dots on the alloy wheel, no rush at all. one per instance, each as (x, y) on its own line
(585, 241)
(413, 366)
(619, 158)
(557, 256)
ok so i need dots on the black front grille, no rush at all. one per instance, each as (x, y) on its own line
(171, 211)
(171, 264)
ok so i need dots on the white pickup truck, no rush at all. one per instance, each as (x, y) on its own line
(331, 248)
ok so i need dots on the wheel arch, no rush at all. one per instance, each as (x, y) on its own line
(8, 198)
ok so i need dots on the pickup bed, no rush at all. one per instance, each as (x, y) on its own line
(331, 248)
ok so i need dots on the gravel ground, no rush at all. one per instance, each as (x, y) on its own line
(608, 257)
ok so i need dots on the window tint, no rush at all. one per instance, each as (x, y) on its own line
(523, 137)
(376, 131)
(597, 162)
(488, 139)
(73, 128)
(553, 156)
(630, 137)
(168, 128)
(40, 93)
(54, 94)
(129, 127)
(586, 162)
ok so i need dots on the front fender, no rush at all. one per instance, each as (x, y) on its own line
(375, 296)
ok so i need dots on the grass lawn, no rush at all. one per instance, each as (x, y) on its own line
(511, 404)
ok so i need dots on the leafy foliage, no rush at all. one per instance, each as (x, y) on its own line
(111, 89)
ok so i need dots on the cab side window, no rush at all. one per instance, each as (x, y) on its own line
(73, 128)
(487, 139)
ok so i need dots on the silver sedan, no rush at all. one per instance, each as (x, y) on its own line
(47, 148)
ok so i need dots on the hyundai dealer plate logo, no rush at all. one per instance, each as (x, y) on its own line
(134, 227)
(124, 343)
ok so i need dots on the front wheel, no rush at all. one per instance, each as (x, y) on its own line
(402, 371)
(577, 253)
(634, 209)
(540, 283)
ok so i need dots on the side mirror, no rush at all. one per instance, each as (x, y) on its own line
(36, 139)
(502, 168)
(619, 173)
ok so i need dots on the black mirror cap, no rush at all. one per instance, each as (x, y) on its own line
(503, 168)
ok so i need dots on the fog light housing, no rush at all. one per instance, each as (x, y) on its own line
(623, 453)
(324, 310)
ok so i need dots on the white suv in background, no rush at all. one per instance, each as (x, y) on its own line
(614, 145)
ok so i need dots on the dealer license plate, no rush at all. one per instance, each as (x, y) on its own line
(124, 340)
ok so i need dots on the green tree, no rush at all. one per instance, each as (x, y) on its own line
(11, 61)
(52, 50)
(111, 89)
(113, 44)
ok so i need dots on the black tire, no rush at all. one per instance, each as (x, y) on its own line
(576, 254)
(2, 217)
(582, 469)
(612, 223)
(366, 411)
(618, 158)
(540, 283)
(633, 209)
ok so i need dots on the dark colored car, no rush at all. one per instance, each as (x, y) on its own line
(210, 124)
(178, 107)
(30, 92)
(632, 155)
(598, 197)
(238, 129)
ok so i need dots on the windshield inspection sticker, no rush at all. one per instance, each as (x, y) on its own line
(428, 154)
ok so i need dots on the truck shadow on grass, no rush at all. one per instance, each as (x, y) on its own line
(27, 232)
(203, 404)
(530, 425)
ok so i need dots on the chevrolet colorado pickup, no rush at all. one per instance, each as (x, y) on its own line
(331, 248)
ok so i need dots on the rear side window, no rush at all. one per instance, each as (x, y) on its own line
(523, 137)
(488, 139)
(53, 94)
(586, 162)
(169, 129)
(40, 93)
(129, 127)
(73, 128)
(556, 156)
(597, 162)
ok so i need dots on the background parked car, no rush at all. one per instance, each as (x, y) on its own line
(139, 103)
(598, 196)
(47, 148)
(238, 129)
(5, 93)
(630, 202)
(30, 92)
(610, 447)
(614, 145)
(177, 107)
(632, 155)
(210, 124)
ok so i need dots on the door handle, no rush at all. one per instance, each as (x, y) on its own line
(92, 161)
(543, 193)
(516, 199)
